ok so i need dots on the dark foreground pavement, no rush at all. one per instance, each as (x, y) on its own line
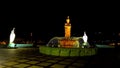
(31, 58)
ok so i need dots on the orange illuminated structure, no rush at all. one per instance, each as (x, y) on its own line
(67, 41)
(67, 28)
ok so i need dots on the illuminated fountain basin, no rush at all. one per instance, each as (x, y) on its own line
(72, 42)
(13, 45)
(60, 46)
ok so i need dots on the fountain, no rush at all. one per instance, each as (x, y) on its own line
(12, 37)
(68, 45)
(68, 41)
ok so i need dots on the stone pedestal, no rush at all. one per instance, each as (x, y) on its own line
(11, 45)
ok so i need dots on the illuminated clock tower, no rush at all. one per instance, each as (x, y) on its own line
(67, 28)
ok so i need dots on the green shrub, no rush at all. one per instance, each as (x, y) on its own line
(67, 51)
(64, 52)
(48, 50)
(55, 51)
(74, 52)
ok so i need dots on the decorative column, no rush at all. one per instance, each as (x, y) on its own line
(67, 28)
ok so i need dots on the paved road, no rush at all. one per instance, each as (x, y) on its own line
(31, 58)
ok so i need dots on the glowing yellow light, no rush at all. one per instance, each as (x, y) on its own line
(118, 43)
(67, 28)
(112, 44)
(67, 43)
(68, 20)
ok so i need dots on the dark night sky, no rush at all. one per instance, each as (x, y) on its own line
(48, 19)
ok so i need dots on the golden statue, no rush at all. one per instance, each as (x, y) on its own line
(68, 20)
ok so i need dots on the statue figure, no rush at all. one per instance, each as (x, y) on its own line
(85, 38)
(68, 20)
(12, 37)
